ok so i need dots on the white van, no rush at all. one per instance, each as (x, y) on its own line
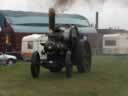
(31, 43)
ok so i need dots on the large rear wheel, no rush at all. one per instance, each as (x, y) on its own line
(84, 57)
(88, 56)
(35, 65)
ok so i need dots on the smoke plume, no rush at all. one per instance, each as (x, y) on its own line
(66, 4)
(62, 5)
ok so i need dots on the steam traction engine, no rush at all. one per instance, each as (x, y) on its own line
(64, 48)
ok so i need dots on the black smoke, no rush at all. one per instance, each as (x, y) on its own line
(66, 4)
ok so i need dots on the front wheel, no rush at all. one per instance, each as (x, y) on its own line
(35, 65)
(10, 61)
(68, 64)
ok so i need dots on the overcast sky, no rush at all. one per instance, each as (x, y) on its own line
(112, 14)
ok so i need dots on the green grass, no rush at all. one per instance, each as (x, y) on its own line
(109, 77)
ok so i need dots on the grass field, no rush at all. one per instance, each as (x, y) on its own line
(109, 77)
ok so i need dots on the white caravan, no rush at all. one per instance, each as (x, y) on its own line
(32, 43)
(115, 43)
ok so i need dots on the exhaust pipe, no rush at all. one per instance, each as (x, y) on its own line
(52, 15)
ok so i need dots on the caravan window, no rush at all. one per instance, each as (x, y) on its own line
(110, 42)
(30, 45)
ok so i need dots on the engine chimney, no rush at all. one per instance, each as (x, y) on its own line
(97, 20)
(52, 15)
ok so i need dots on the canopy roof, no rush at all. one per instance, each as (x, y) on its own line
(38, 22)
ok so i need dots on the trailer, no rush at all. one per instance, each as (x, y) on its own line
(115, 44)
(32, 43)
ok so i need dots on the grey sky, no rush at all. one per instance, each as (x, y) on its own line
(113, 13)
